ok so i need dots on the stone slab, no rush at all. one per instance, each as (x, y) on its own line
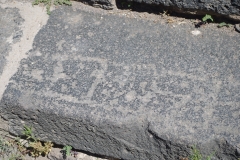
(226, 8)
(129, 88)
(223, 7)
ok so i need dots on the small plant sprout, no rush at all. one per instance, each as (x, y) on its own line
(207, 17)
(48, 3)
(27, 131)
(210, 156)
(36, 147)
(61, 2)
(204, 20)
(196, 155)
(8, 150)
(223, 24)
(66, 151)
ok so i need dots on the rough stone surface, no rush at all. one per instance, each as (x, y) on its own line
(3, 127)
(224, 7)
(10, 32)
(237, 27)
(129, 88)
(227, 8)
(105, 4)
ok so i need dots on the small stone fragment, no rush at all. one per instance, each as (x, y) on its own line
(196, 32)
(237, 27)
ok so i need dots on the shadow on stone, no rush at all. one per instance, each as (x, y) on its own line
(172, 11)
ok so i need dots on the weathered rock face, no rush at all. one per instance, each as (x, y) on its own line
(224, 7)
(129, 88)
(227, 8)
(105, 4)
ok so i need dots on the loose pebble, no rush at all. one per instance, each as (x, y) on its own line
(196, 32)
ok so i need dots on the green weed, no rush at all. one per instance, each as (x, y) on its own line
(223, 24)
(15, 149)
(67, 149)
(48, 3)
(27, 131)
(196, 155)
(207, 17)
(8, 151)
(61, 2)
(36, 148)
(45, 2)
